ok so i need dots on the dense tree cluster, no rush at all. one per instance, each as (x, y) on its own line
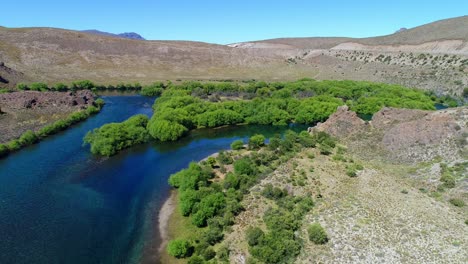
(111, 138)
(212, 203)
(191, 105)
(30, 137)
(85, 85)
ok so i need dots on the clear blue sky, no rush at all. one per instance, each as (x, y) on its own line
(226, 21)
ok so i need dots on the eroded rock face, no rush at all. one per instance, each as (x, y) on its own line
(34, 99)
(387, 117)
(406, 134)
(425, 135)
(342, 123)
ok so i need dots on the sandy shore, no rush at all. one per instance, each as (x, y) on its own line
(164, 215)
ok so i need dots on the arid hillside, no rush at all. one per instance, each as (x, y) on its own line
(432, 56)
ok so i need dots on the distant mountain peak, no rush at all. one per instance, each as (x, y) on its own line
(401, 30)
(127, 35)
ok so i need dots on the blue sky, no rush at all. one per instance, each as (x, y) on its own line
(226, 21)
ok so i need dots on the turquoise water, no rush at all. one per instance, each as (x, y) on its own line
(60, 204)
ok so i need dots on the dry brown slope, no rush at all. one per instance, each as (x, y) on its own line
(49, 54)
(447, 29)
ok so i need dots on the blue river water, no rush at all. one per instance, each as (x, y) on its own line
(60, 204)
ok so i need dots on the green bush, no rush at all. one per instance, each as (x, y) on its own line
(244, 166)
(22, 86)
(447, 177)
(236, 145)
(165, 130)
(179, 248)
(317, 234)
(82, 85)
(256, 141)
(274, 193)
(457, 202)
(28, 138)
(3, 150)
(154, 89)
(196, 260)
(14, 145)
(254, 235)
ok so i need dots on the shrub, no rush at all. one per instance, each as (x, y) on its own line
(448, 179)
(196, 260)
(457, 202)
(28, 138)
(99, 102)
(83, 84)
(211, 161)
(244, 166)
(317, 234)
(238, 144)
(14, 145)
(3, 150)
(253, 235)
(154, 89)
(179, 248)
(256, 141)
(60, 87)
(38, 86)
(22, 86)
(274, 193)
(224, 158)
(165, 130)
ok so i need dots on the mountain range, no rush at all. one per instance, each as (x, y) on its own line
(127, 35)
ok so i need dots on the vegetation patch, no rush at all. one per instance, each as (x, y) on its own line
(211, 202)
(111, 138)
(30, 137)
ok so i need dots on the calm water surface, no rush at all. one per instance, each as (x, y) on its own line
(60, 204)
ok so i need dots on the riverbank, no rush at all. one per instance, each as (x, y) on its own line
(165, 214)
(172, 224)
(31, 137)
(32, 110)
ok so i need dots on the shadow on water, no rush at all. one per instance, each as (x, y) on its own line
(60, 204)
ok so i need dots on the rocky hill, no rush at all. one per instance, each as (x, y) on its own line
(432, 56)
(406, 205)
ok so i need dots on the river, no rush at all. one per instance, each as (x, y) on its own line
(61, 204)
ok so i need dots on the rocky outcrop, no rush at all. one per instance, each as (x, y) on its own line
(8, 76)
(33, 99)
(342, 123)
(405, 134)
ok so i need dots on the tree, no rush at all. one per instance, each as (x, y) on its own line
(317, 234)
(179, 248)
(238, 144)
(245, 166)
(256, 141)
(254, 235)
(165, 130)
(111, 138)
